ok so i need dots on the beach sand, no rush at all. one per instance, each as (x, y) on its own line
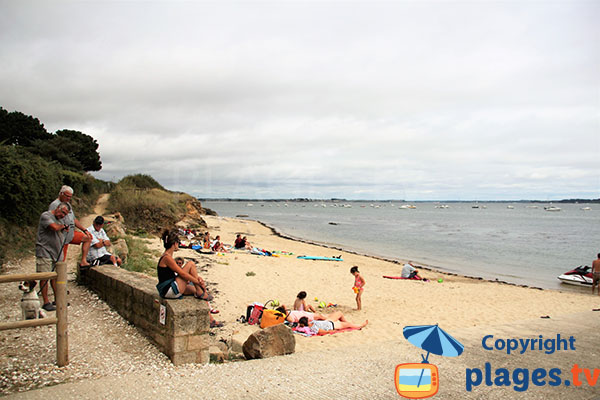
(389, 305)
(355, 365)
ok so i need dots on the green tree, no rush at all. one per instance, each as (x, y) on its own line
(58, 149)
(19, 129)
(86, 149)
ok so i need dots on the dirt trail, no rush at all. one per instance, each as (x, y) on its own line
(99, 209)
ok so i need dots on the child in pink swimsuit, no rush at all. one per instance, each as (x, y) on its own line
(300, 303)
(359, 283)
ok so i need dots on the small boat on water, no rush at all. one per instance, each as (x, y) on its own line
(551, 208)
(586, 208)
(580, 276)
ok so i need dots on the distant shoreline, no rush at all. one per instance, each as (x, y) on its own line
(338, 200)
(421, 265)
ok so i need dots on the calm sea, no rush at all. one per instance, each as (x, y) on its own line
(511, 242)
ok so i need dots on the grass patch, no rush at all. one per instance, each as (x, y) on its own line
(140, 257)
(250, 273)
(148, 210)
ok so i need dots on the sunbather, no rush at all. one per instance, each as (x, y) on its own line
(295, 315)
(320, 327)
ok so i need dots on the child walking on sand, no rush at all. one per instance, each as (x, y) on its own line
(359, 283)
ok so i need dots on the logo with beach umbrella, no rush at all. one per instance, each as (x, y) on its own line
(421, 380)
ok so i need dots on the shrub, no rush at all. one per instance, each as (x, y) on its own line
(28, 184)
(140, 181)
(148, 210)
(139, 258)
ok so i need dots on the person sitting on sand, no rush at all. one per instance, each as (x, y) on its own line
(241, 242)
(246, 243)
(321, 327)
(216, 245)
(206, 240)
(300, 303)
(410, 272)
(173, 279)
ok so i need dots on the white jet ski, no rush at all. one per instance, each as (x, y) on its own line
(580, 276)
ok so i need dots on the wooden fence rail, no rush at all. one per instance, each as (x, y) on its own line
(61, 320)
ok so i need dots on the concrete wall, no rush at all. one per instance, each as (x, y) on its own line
(184, 336)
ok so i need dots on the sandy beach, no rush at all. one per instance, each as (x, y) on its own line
(389, 305)
(110, 359)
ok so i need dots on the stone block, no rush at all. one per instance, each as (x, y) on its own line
(216, 354)
(186, 357)
(203, 356)
(178, 344)
(197, 342)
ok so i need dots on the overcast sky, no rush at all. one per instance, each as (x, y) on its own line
(415, 100)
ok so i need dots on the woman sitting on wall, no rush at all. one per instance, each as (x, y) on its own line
(173, 279)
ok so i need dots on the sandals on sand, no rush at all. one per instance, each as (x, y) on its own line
(215, 324)
(204, 296)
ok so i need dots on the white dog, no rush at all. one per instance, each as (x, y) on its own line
(30, 303)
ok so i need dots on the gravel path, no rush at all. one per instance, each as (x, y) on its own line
(364, 372)
(101, 342)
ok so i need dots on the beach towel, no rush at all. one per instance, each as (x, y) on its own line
(337, 331)
(400, 277)
(304, 331)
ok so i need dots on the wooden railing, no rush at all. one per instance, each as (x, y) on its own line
(62, 342)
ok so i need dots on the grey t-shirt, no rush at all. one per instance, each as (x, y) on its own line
(68, 219)
(325, 325)
(48, 243)
(407, 270)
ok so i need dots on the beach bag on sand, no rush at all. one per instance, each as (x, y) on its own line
(254, 312)
(271, 318)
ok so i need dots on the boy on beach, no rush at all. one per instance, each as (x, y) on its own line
(596, 274)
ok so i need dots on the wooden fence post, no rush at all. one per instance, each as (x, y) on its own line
(62, 339)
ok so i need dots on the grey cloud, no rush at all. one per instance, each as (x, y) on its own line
(407, 99)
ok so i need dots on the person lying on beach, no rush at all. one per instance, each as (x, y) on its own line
(410, 272)
(173, 279)
(294, 316)
(300, 303)
(321, 327)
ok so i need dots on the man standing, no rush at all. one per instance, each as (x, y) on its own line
(48, 246)
(84, 237)
(98, 255)
(596, 274)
